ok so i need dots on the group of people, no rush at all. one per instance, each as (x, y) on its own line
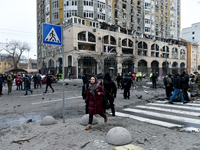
(23, 82)
(178, 84)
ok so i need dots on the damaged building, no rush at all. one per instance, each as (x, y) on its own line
(112, 36)
(95, 47)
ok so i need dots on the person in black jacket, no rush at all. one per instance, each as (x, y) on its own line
(111, 90)
(154, 79)
(177, 88)
(35, 80)
(27, 85)
(127, 85)
(185, 85)
(118, 79)
(1, 83)
(48, 83)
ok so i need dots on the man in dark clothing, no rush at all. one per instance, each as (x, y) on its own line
(27, 85)
(119, 79)
(1, 84)
(110, 89)
(48, 83)
(154, 79)
(185, 85)
(35, 80)
(127, 85)
(39, 80)
(85, 79)
(168, 86)
(177, 88)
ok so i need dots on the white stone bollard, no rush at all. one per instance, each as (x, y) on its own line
(48, 120)
(118, 136)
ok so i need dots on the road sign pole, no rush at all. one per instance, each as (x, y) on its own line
(63, 76)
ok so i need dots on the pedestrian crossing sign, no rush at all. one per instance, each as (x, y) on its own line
(52, 34)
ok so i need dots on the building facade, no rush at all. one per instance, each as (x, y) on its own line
(153, 19)
(95, 47)
(191, 34)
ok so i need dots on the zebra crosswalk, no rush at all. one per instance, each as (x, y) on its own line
(165, 114)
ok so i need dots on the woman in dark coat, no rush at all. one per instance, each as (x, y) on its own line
(94, 99)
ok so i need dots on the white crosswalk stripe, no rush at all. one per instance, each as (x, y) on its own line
(166, 115)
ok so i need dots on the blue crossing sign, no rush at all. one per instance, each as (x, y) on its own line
(52, 34)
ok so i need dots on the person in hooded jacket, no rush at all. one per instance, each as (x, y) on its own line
(110, 88)
(9, 83)
(118, 79)
(127, 85)
(95, 100)
(177, 88)
(154, 79)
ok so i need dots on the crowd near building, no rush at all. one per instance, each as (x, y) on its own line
(114, 36)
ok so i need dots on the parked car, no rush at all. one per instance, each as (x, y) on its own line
(53, 79)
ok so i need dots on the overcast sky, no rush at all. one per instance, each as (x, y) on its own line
(18, 20)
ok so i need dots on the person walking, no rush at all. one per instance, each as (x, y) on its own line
(140, 75)
(185, 85)
(168, 86)
(35, 80)
(154, 79)
(1, 84)
(177, 89)
(27, 85)
(118, 79)
(197, 82)
(95, 100)
(18, 82)
(48, 83)
(39, 80)
(111, 90)
(150, 76)
(9, 83)
(127, 85)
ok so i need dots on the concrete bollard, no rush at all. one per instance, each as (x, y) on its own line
(85, 120)
(118, 136)
(48, 120)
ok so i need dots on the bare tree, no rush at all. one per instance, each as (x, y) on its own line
(15, 50)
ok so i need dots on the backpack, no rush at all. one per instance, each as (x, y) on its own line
(165, 81)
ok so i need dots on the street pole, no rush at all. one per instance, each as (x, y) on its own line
(63, 76)
(28, 61)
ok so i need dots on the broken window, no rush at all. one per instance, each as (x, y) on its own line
(142, 48)
(82, 36)
(182, 66)
(86, 37)
(174, 53)
(165, 67)
(164, 52)
(154, 50)
(182, 54)
(51, 63)
(110, 65)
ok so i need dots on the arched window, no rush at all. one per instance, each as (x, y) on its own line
(127, 46)
(154, 50)
(182, 54)
(142, 67)
(86, 41)
(109, 44)
(174, 53)
(142, 49)
(51, 63)
(164, 52)
(69, 61)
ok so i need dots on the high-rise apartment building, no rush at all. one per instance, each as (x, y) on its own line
(155, 19)
(134, 30)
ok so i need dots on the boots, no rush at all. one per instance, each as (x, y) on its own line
(88, 127)
(106, 119)
(113, 111)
